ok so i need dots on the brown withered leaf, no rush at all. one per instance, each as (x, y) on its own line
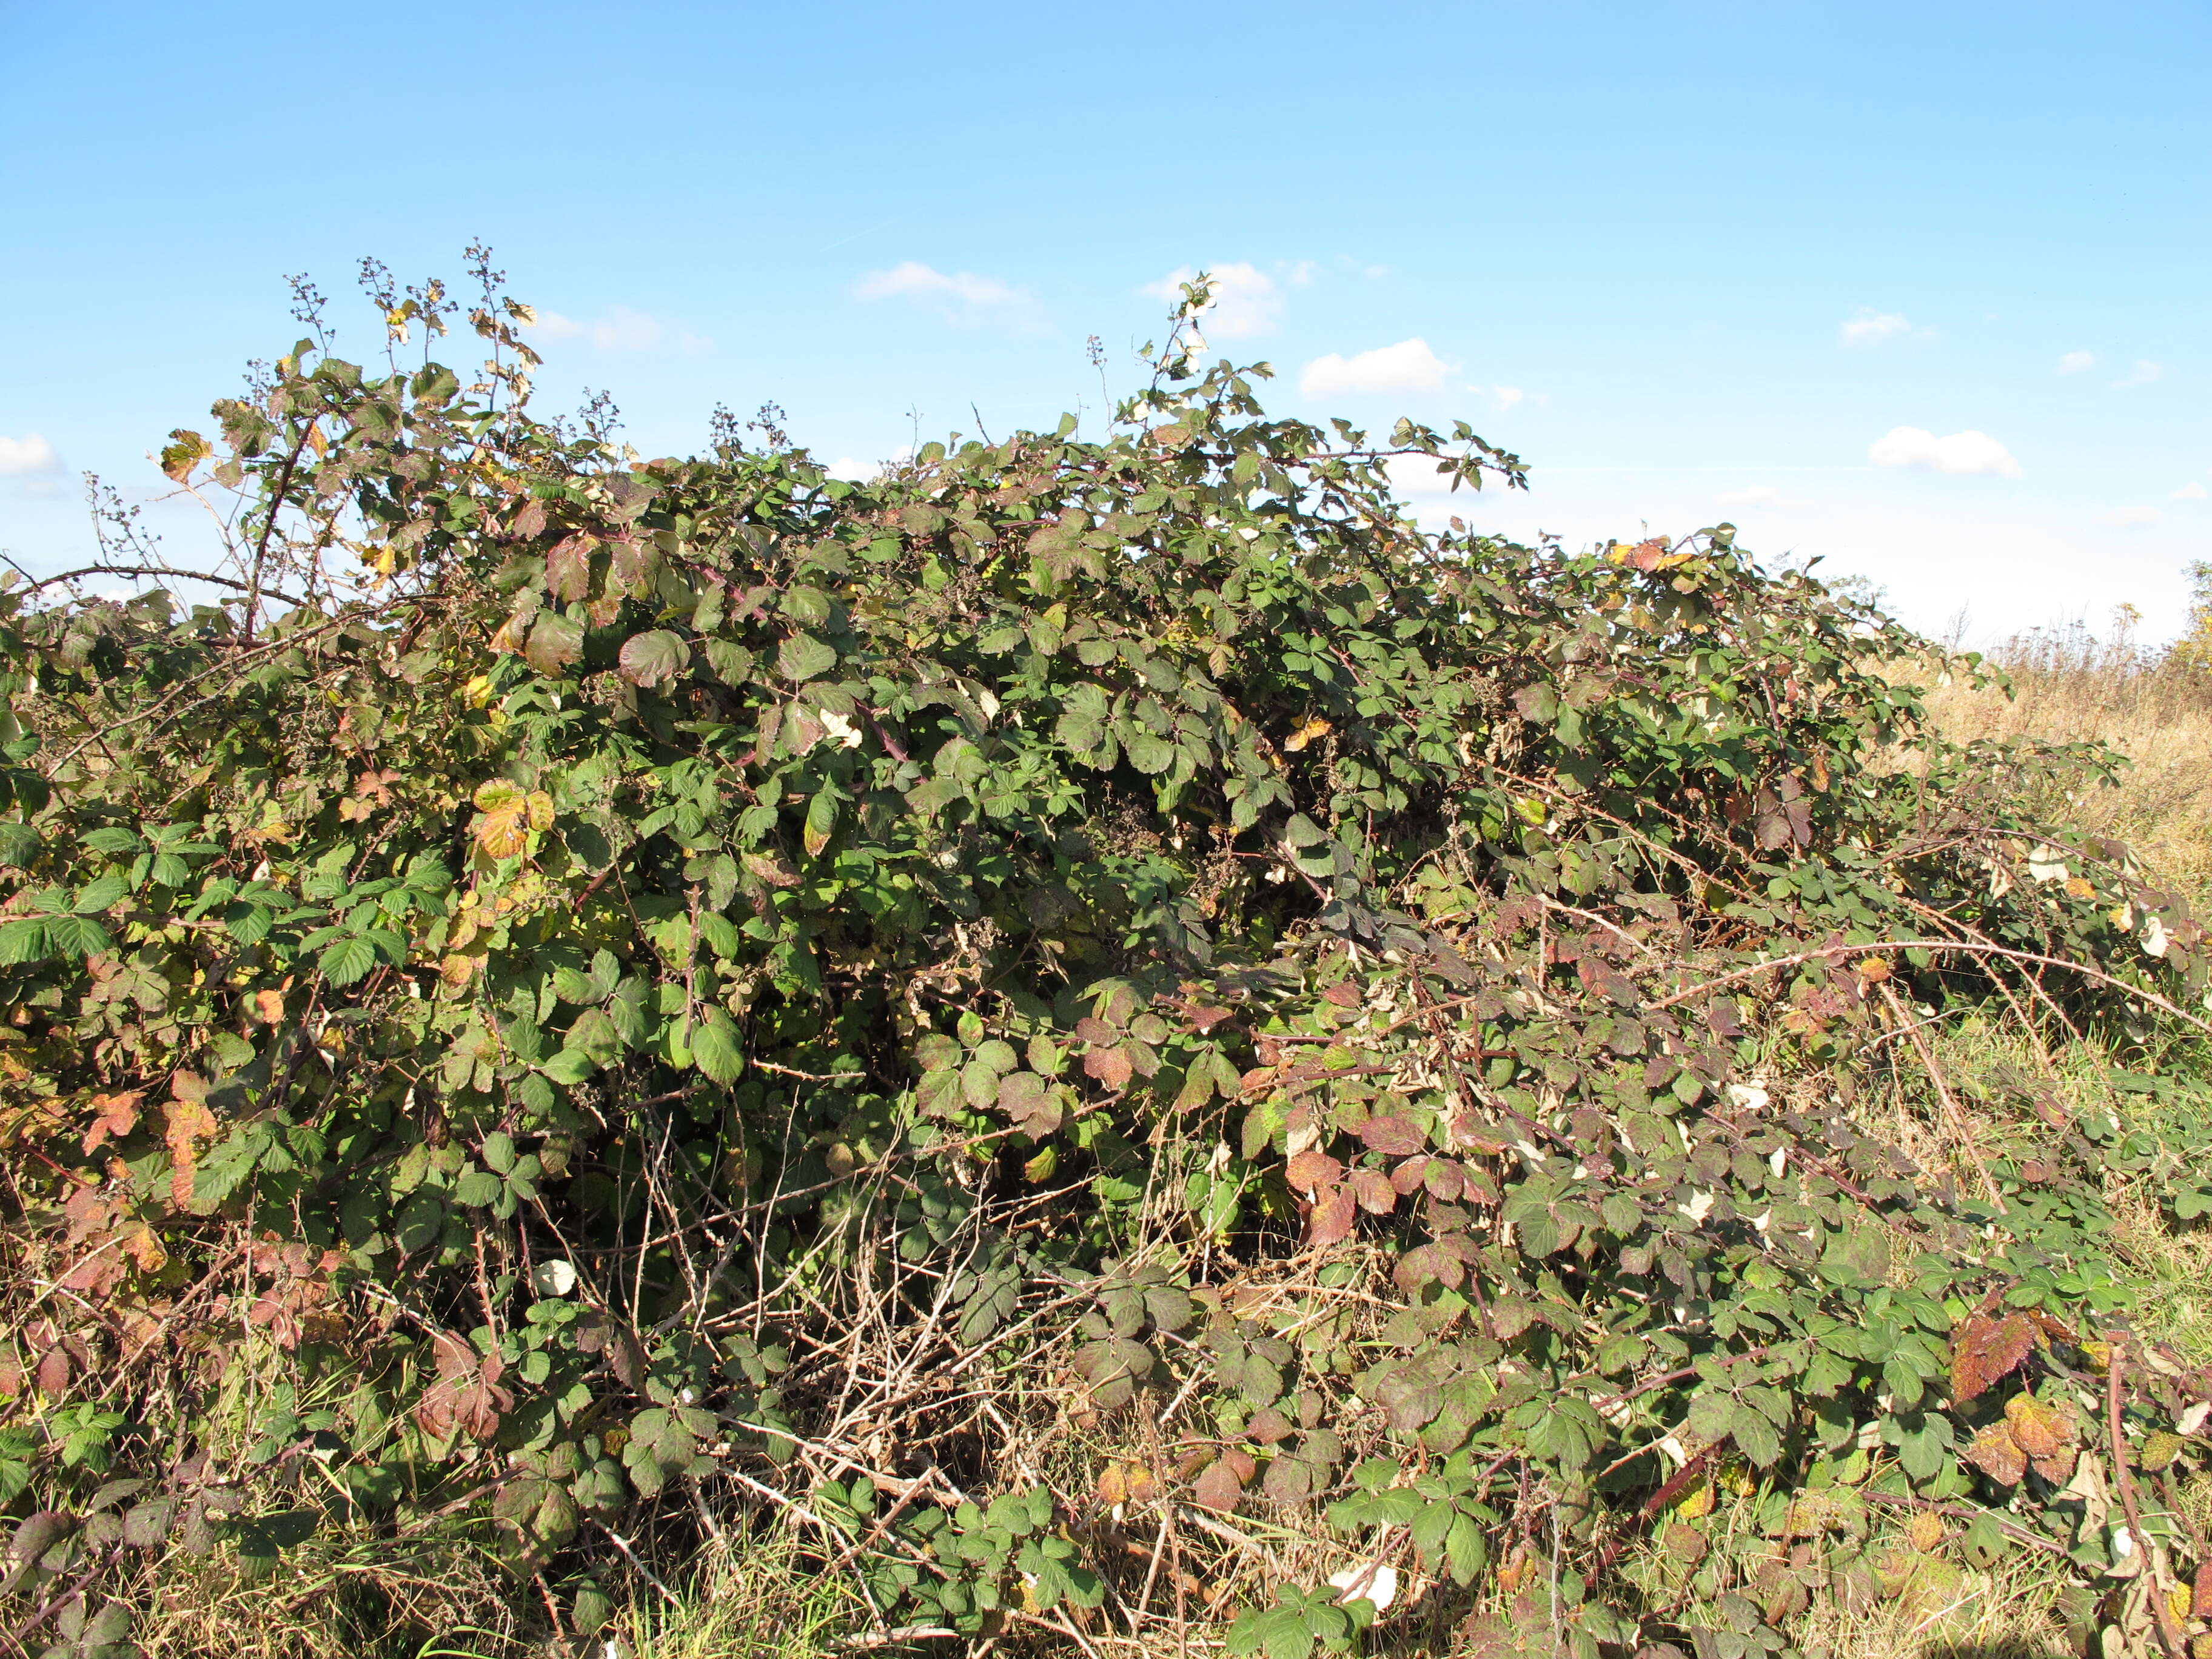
(189, 1123)
(1984, 1349)
(1994, 1452)
(2039, 1430)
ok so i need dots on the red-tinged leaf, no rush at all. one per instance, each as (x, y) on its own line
(1443, 1180)
(554, 642)
(1984, 1349)
(1203, 1020)
(1394, 1135)
(1267, 1425)
(1312, 1168)
(1333, 1216)
(654, 657)
(568, 568)
(1410, 1176)
(113, 1115)
(1110, 1067)
(1217, 1489)
(1374, 1192)
(2200, 1606)
(1419, 1266)
(454, 1355)
(1091, 1029)
(1343, 993)
(53, 1372)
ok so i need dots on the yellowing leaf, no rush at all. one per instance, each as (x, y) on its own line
(504, 831)
(1698, 1502)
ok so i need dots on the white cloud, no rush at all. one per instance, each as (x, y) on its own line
(1917, 448)
(2143, 374)
(2075, 361)
(962, 297)
(2132, 515)
(1408, 365)
(1507, 395)
(619, 328)
(2190, 492)
(27, 455)
(1868, 327)
(861, 471)
(1417, 475)
(1246, 300)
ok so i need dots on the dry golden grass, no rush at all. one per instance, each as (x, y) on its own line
(2154, 708)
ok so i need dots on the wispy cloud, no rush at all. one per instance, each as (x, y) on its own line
(1868, 327)
(2132, 515)
(2075, 361)
(619, 328)
(1759, 496)
(2190, 492)
(29, 456)
(1408, 365)
(960, 296)
(2143, 374)
(1246, 300)
(1922, 451)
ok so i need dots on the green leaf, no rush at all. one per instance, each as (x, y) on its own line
(732, 664)
(802, 657)
(477, 1188)
(76, 936)
(100, 895)
(24, 939)
(716, 1048)
(1757, 1438)
(1146, 752)
(821, 823)
(348, 959)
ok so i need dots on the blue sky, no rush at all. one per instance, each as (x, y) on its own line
(1921, 290)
